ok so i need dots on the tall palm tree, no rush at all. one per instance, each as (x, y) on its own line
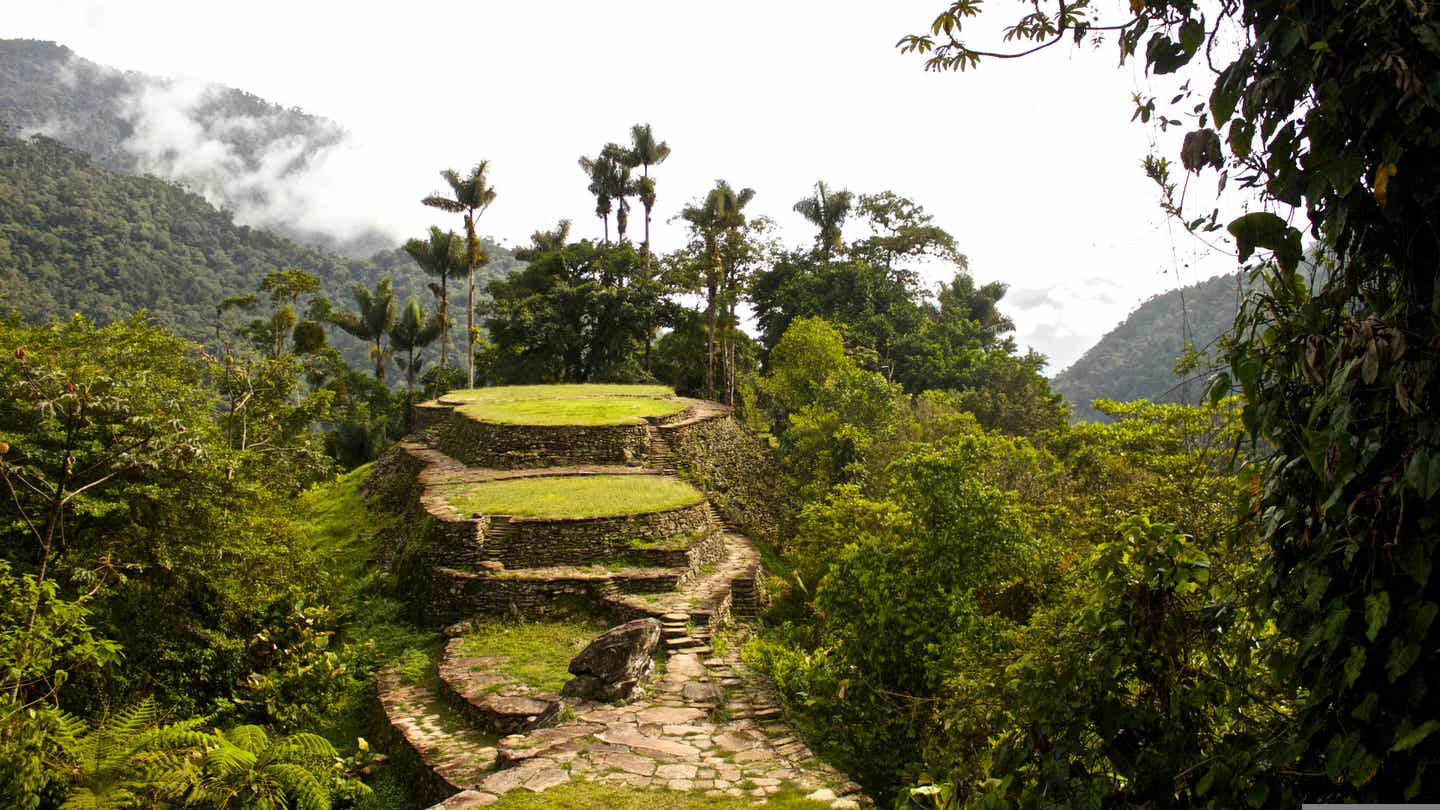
(472, 195)
(827, 210)
(372, 320)
(610, 182)
(622, 186)
(645, 152)
(443, 255)
(719, 216)
(412, 331)
(598, 170)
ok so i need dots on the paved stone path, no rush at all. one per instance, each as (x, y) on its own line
(704, 725)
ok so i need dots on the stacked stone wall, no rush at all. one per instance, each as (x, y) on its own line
(452, 596)
(736, 471)
(520, 447)
(536, 542)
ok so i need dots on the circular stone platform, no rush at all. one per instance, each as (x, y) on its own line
(572, 496)
(555, 405)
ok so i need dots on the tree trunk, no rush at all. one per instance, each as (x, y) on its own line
(379, 361)
(444, 327)
(710, 315)
(472, 246)
(645, 172)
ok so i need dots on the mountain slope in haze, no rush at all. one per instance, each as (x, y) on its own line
(1135, 360)
(75, 237)
(242, 153)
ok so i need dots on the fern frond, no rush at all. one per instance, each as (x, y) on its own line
(304, 745)
(301, 785)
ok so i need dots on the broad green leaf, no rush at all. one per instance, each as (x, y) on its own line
(1377, 611)
(1413, 738)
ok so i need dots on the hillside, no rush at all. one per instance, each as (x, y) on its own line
(1135, 360)
(233, 148)
(75, 237)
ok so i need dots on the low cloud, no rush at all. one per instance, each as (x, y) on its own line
(1064, 321)
(270, 166)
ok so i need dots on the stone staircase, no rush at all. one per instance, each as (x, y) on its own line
(472, 733)
(661, 456)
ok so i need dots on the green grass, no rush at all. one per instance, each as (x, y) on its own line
(539, 651)
(509, 393)
(608, 796)
(561, 496)
(675, 542)
(583, 411)
(565, 404)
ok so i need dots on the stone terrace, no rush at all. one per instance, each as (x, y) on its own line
(471, 733)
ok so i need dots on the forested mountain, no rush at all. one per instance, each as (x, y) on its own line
(75, 237)
(229, 145)
(1136, 359)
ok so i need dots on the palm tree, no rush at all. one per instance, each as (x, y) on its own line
(721, 214)
(610, 182)
(472, 195)
(622, 186)
(596, 170)
(827, 211)
(412, 331)
(443, 256)
(371, 321)
(645, 152)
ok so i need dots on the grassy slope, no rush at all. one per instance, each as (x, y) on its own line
(573, 496)
(342, 530)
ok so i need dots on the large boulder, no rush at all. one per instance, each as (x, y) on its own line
(610, 667)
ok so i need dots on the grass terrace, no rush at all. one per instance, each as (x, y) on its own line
(539, 652)
(511, 393)
(549, 405)
(573, 496)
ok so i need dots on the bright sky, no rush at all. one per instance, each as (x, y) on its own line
(1031, 164)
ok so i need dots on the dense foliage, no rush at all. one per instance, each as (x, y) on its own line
(1227, 614)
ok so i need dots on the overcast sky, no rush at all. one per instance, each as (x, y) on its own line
(1032, 164)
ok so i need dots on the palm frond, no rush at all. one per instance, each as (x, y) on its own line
(443, 203)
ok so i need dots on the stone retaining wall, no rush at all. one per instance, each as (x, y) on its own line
(515, 447)
(464, 542)
(535, 542)
(735, 470)
(451, 596)
(706, 549)
(428, 414)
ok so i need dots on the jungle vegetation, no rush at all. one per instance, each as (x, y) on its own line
(977, 602)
